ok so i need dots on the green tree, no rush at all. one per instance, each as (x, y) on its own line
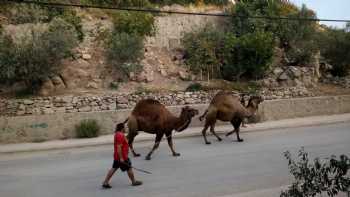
(249, 55)
(335, 48)
(297, 37)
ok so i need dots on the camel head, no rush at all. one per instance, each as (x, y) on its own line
(187, 113)
(254, 102)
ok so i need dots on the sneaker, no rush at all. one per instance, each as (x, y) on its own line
(136, 183)
(106, 186)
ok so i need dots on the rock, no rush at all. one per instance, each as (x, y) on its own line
(60, 110)
(85, 109)
(277, 71)
(28, 102)
(283, 76)
(183, 75)
(46, 88)
(56, 80)
(150, 76)
(122, 100)
(298, 83)
(81, 73)
(86, 56)
(48, 111)
(92, 85)
(21, 107)
(163, 73)
(296, 73)
(20, 113)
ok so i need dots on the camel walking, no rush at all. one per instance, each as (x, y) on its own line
(152, 117)
(228, 107)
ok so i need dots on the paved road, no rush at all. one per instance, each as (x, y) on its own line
(226, 168)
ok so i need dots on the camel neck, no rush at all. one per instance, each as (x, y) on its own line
(181, 123)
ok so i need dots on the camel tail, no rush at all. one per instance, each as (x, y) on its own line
(202, 116)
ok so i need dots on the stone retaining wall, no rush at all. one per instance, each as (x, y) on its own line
(36, 128)
(72, 104)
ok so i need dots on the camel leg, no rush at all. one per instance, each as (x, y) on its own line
(231, 132)
(131, 137)
(204, 133)
(236, 124)
(213, 131)
(171, 145)
(156, 145)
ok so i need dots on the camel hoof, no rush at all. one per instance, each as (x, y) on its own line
(219, 139)
(176, 154)
(137, 155)
(148, 157)
(240, 140)
(207, 143)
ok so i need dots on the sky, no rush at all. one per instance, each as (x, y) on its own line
(328, 9)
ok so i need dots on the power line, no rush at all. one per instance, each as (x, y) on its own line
(157, 11)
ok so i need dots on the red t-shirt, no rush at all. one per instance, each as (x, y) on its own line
(119, 139)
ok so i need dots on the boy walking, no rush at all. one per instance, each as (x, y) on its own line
(121, 159)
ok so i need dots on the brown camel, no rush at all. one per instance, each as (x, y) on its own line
(152, 117)
(228, 107)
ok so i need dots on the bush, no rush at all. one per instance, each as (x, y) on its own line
(124, 51)
(249, 55)
(125, 44)
(71, 17)
(335, 48)
(36, 56)
(87, 129)
(322, 176)
(138, 23)
(194, 87)
(30, 13)
(202, 51)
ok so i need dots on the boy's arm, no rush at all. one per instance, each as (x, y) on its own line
(119, 151)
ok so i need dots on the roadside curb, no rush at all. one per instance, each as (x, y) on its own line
(192, 132)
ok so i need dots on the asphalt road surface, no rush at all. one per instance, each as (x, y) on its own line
(226, 168)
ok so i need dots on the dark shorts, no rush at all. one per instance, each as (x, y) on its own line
(125, 166)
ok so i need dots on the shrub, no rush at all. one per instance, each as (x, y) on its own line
(36, 56)
(124, 50)
(87, 129)
(71, 17)
(134, 23)
(194, 87)
(30, 13)
(125, 44)
(311, 179)
(202, 51)
(249, 55)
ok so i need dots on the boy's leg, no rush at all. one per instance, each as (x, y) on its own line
(132, 178)
(109, 176)
(126, 166)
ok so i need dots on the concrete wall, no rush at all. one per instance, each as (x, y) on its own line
(60, 126)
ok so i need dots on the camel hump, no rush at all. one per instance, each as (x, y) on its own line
(149, 107)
